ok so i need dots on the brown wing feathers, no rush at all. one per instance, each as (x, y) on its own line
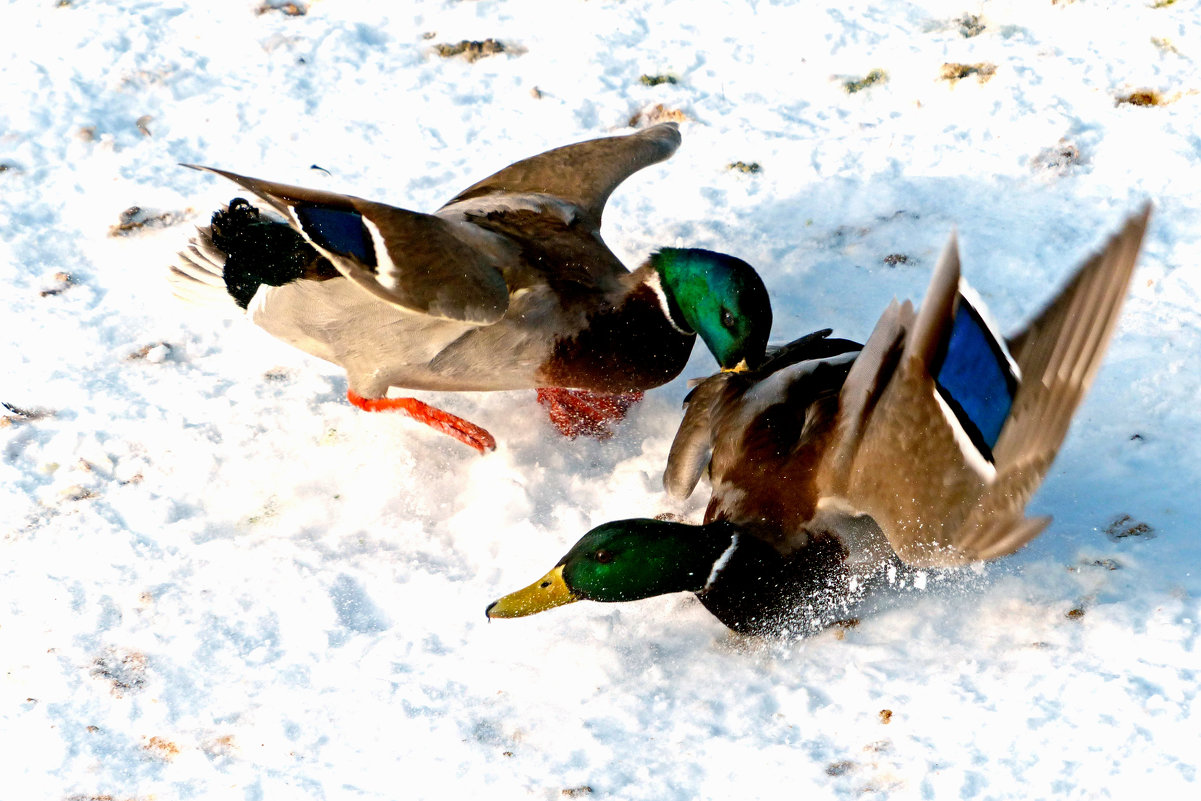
(1058, 354)
(583, 174)
(418, 263)
(1060, 351)
(895, 452)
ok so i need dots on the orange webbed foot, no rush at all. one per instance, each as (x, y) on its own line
(576, 412)
(447, 423)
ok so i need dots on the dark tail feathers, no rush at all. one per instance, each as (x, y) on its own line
(262, 251)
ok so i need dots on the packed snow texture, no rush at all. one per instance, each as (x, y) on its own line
(220, 580)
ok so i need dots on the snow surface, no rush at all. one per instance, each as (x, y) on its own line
(221, 581)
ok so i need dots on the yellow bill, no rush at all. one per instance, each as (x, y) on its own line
(741, 367)
(545, 593)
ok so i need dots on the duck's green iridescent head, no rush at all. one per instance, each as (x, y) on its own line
(625, 560)
(719, 297)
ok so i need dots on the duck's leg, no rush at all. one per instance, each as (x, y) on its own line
(447, 423)
(578, 411)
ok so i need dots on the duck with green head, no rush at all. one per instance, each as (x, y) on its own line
(833, 465)
(507, 286)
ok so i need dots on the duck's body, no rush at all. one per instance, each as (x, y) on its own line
(832, 465)
(614, 342)
(507, 286)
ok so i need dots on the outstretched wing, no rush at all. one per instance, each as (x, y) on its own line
(947, 435)
(583, 174)
(415, 261)
(1058, 353)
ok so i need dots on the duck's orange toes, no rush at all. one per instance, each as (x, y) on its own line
(447, 423)
(578, 411)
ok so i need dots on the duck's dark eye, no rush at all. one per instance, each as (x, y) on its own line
(544, 585)
(727, 318)
(603, 556)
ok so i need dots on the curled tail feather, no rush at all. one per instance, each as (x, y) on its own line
(238, 252)
(198, 274)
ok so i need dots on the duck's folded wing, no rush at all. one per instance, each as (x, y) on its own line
(692, 446)
(414, 261)
(947, 477)
(583, 174)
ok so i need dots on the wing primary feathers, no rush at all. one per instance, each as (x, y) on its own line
(1061, 349)
(582, 174)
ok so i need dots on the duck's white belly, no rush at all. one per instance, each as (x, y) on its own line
(380, 345)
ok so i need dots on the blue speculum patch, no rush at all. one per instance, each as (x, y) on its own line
(337, 230)
(975, 378)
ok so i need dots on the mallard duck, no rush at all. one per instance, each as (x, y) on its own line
(834, 465)
(507, 286)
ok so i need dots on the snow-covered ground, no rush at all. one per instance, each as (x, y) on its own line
(218, 580)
